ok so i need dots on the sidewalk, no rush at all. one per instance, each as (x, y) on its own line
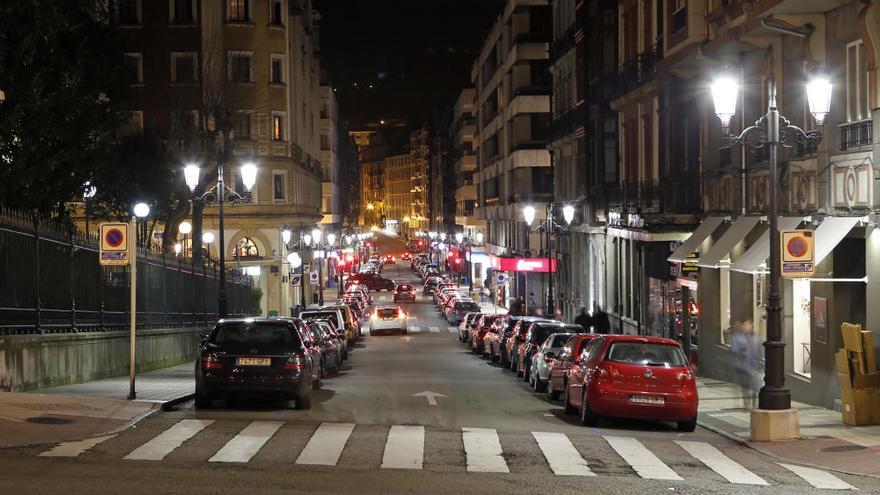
(73, 412)
(825, 441)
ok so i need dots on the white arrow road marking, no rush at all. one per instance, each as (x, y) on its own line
(326, 444)
(170, 439)
(482, 450)
(818, 478)
(561, 454)
(642, 460)
(720, 463)
(431, 396)
(248, 442)
(405, 448)
(73, 449)
(407, 339)
(433, 329)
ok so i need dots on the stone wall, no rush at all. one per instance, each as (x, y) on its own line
(36, 361)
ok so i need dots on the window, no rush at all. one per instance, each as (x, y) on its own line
(856, 82)
(679, 15)
(242, 126)
(183, 68)
(279, 192)
(278, 127)
(134, 67)
(183, 11)
(275, 12)
(240, 67)
(238, 10)
(325, 142)
(246, 247)
(128, 12)
(277, 69)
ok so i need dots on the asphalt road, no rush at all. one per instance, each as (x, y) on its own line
(369, 432)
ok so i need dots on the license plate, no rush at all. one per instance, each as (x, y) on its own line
(647, 399)
(253, 361)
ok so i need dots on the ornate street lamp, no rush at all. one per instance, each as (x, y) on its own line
(568, 214)
(772, 130)
(528, 214)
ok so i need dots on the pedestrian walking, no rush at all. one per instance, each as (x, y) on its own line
(532, 302)
(744, 347)
(584, 320)
(601, 322)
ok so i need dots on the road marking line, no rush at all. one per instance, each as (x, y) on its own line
(169, 440)
(74, 449)
(818, 478)
(248, 442)
(326, 444)
(415, 329)
(482, 449)
(433, 329)
(715, 460)
(642, 460)
(405, 448)
(561, 454)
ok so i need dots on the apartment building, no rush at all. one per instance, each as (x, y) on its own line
(464, 158)
(331, 198)
(251, 69)
(511, 84)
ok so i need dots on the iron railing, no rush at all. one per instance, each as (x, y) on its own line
(51, 282)
(855, 135)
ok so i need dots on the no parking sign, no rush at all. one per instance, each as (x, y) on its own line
(114, 244)
(797, 253)
(501, 278)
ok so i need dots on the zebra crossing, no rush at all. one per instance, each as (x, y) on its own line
(405, 448)
(432, 329)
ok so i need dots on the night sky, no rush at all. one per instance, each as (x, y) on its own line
(416, 54)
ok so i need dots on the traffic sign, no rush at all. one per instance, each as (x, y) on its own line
(501, 278)
(313, 277)
(114, 244)
(798, 259)
(295, 279)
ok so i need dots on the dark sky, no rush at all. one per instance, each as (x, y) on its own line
(416, 54)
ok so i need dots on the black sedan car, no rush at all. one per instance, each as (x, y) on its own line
(373, 281)
(257, 356)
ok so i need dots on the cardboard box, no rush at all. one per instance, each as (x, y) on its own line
(857, 362)
(841, 360)
(859, 407)
(870, 353)
(852, 337)
(867, 380)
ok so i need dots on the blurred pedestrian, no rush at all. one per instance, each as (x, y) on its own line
(744, 347)
(532, 302)
(601, 322)
(557, 315)
(584, 320)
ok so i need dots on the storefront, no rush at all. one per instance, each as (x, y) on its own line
(527, 275)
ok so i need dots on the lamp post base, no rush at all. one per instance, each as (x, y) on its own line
(775, 425)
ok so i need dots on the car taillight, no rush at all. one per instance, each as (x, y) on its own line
(402, 315)
(686, 376)
(294, 363)
(374, 317)
(608, 371)
(210, 361)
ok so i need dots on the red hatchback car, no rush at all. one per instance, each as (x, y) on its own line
(561, 363)
(624, 376)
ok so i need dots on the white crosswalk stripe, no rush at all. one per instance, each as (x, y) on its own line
(643, 461)
(326, 444)
(563, 457)
(482, 450)
(818, 478)
(414, 329)
(433, 329)
(73, 449)
(452, 329)
(720, 463)
(405, 448)
(167, 441)
(248, 442)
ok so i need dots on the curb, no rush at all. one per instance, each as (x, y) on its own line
(167, 405)
(773, 455)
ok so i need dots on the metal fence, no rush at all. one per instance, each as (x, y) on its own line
(51, 281)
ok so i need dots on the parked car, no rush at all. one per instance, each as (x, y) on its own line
(459, 309)
(627, 376)
(373, 281)
(388, 319)
(535, 337)
(338, 316)
(339, 335)
(491, 340)
(406, 256)
(479, 331)
(504, 336)
(405, 292)
(559, 367)
(430, 285)
(539, 371)
(467, 323)
(257, 356)
(331, 360)
(517, 337)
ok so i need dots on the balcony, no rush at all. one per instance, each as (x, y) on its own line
(856, 135)
(652, 196)
(566, 123)
(563, 44)
(637, 71)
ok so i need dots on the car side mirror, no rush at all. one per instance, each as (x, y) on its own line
(203, 339)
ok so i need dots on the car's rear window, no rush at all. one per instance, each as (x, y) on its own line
(540, 334)
(255, 333)
(327, 315)
(560, 340)
(467, 306)
(388, 312)
(647, 354)
(405, 287)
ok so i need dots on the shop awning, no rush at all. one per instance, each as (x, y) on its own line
(691, 244)
(760, 250)
(830, 232)
(721, 249)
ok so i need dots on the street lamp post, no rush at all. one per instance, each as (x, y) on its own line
(550, 227)
(771, 130)
(249, 178)
(316, 239)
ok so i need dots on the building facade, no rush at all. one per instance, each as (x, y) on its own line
(331, 188)
(231, 65)
(464, 158)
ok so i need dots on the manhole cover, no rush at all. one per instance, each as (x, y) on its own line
(843, 448)
(50, 421)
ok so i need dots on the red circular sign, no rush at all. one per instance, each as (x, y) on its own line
(114, 237)
(797, 247)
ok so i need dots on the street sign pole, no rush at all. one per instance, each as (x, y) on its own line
(132, 257)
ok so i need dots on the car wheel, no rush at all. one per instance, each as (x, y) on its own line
(203, 401)
(588, 417)
(689, 425)
(317, 383)
(569, 409)
(304, 401)
(540, 385)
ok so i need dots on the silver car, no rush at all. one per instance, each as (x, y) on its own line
(543, 360)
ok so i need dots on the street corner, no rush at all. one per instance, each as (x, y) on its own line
(28, 419)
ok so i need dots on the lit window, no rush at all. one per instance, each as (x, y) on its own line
(247, 248)
(238, 10)
(277, 127)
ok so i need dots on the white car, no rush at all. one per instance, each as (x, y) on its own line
(388, 319)
(539, 374)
